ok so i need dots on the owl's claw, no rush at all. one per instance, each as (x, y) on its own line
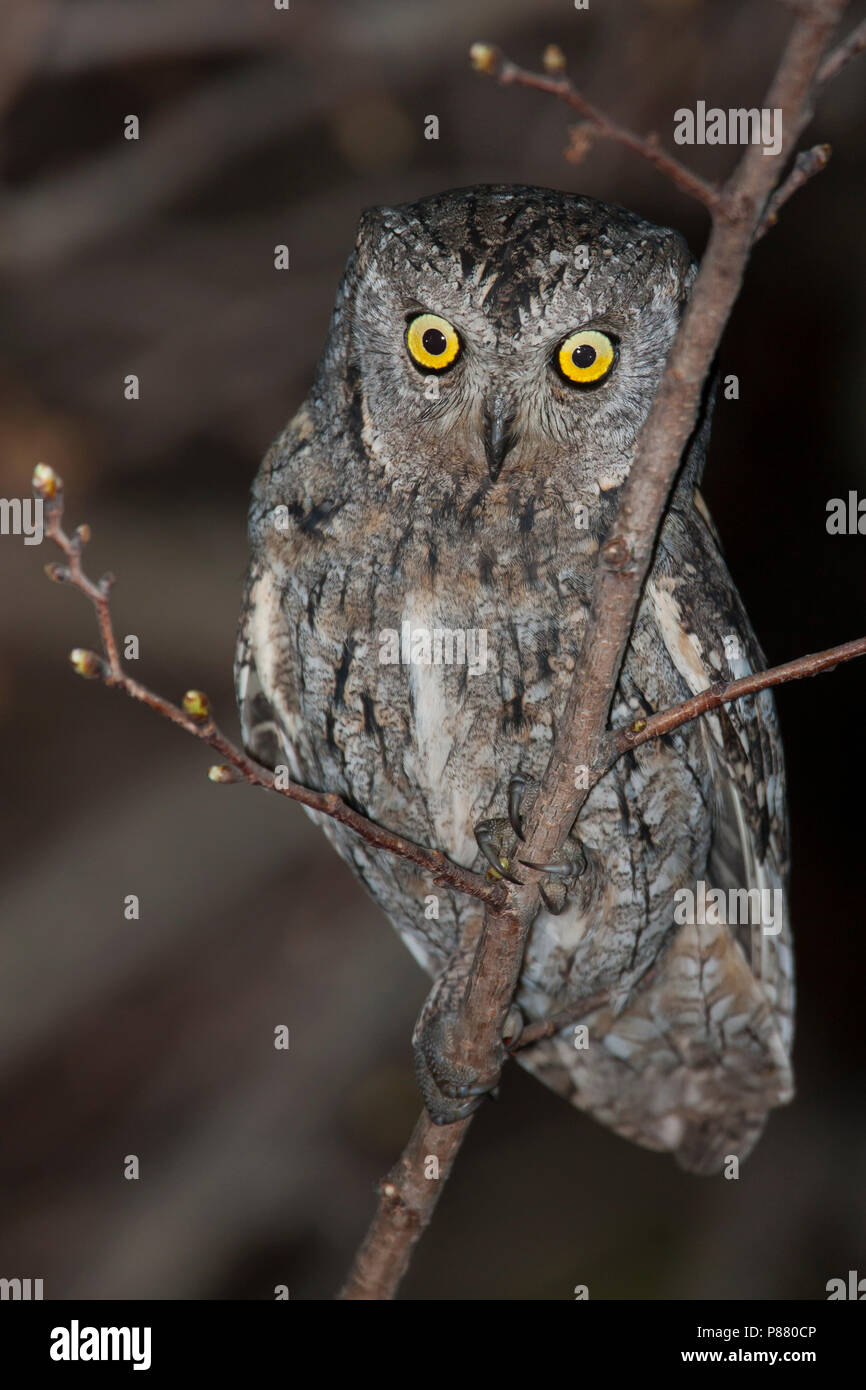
(516, 792)
(496, 842)
(563, 873)
(451, 1090)
(565, 868)
(452, 1085)
(485, 838)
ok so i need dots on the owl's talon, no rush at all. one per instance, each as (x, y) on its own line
(485, 839)
(565, 869)
(463, 1092)
(559, 876)
(494, 839)
(516, 792)
(451, 1090)
(452, 1086)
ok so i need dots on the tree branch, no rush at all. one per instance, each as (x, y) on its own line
(626, 554)
(194, 716)
(806, 165)
(489, 59)
(842, 55)
(407, 1200)
(642, 730)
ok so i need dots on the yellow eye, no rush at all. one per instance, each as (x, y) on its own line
(433, 342)
(586, 357)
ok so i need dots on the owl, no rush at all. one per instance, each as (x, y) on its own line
(424, 540)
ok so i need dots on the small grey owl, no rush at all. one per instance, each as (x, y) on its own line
(424, 537)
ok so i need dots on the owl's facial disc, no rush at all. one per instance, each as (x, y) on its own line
(504, 339)
(581, 361)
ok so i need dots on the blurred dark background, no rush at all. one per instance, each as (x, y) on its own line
(155, 1037)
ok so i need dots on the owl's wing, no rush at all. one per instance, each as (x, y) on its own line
(266, 666)
(737, 977)
(694, 1057)
(744, 750)
(261, 734)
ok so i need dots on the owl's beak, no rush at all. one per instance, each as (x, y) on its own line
(499, 435)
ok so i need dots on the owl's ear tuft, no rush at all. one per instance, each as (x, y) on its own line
(684, 266)
(369, 223)
(375, 226)
(688, 280)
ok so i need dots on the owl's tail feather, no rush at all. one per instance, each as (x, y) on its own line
(707, 1150)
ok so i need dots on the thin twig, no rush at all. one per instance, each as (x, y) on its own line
(725, 692)
(806, 165)
(564, 1018)
(489, 59)
(842, 55)
(201, 725)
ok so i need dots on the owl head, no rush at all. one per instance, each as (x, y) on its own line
(498, 333)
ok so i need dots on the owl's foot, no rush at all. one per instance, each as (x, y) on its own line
(498, 840)
(492, 843)
(561, 875)
(453, 1087)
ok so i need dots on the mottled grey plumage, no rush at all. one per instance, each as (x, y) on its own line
(379, 505)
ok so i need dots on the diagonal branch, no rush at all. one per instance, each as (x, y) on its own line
(807, 164)
(642, 730)
(407, 1200)
(194, 717)
(840, 56)
(489, 59)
